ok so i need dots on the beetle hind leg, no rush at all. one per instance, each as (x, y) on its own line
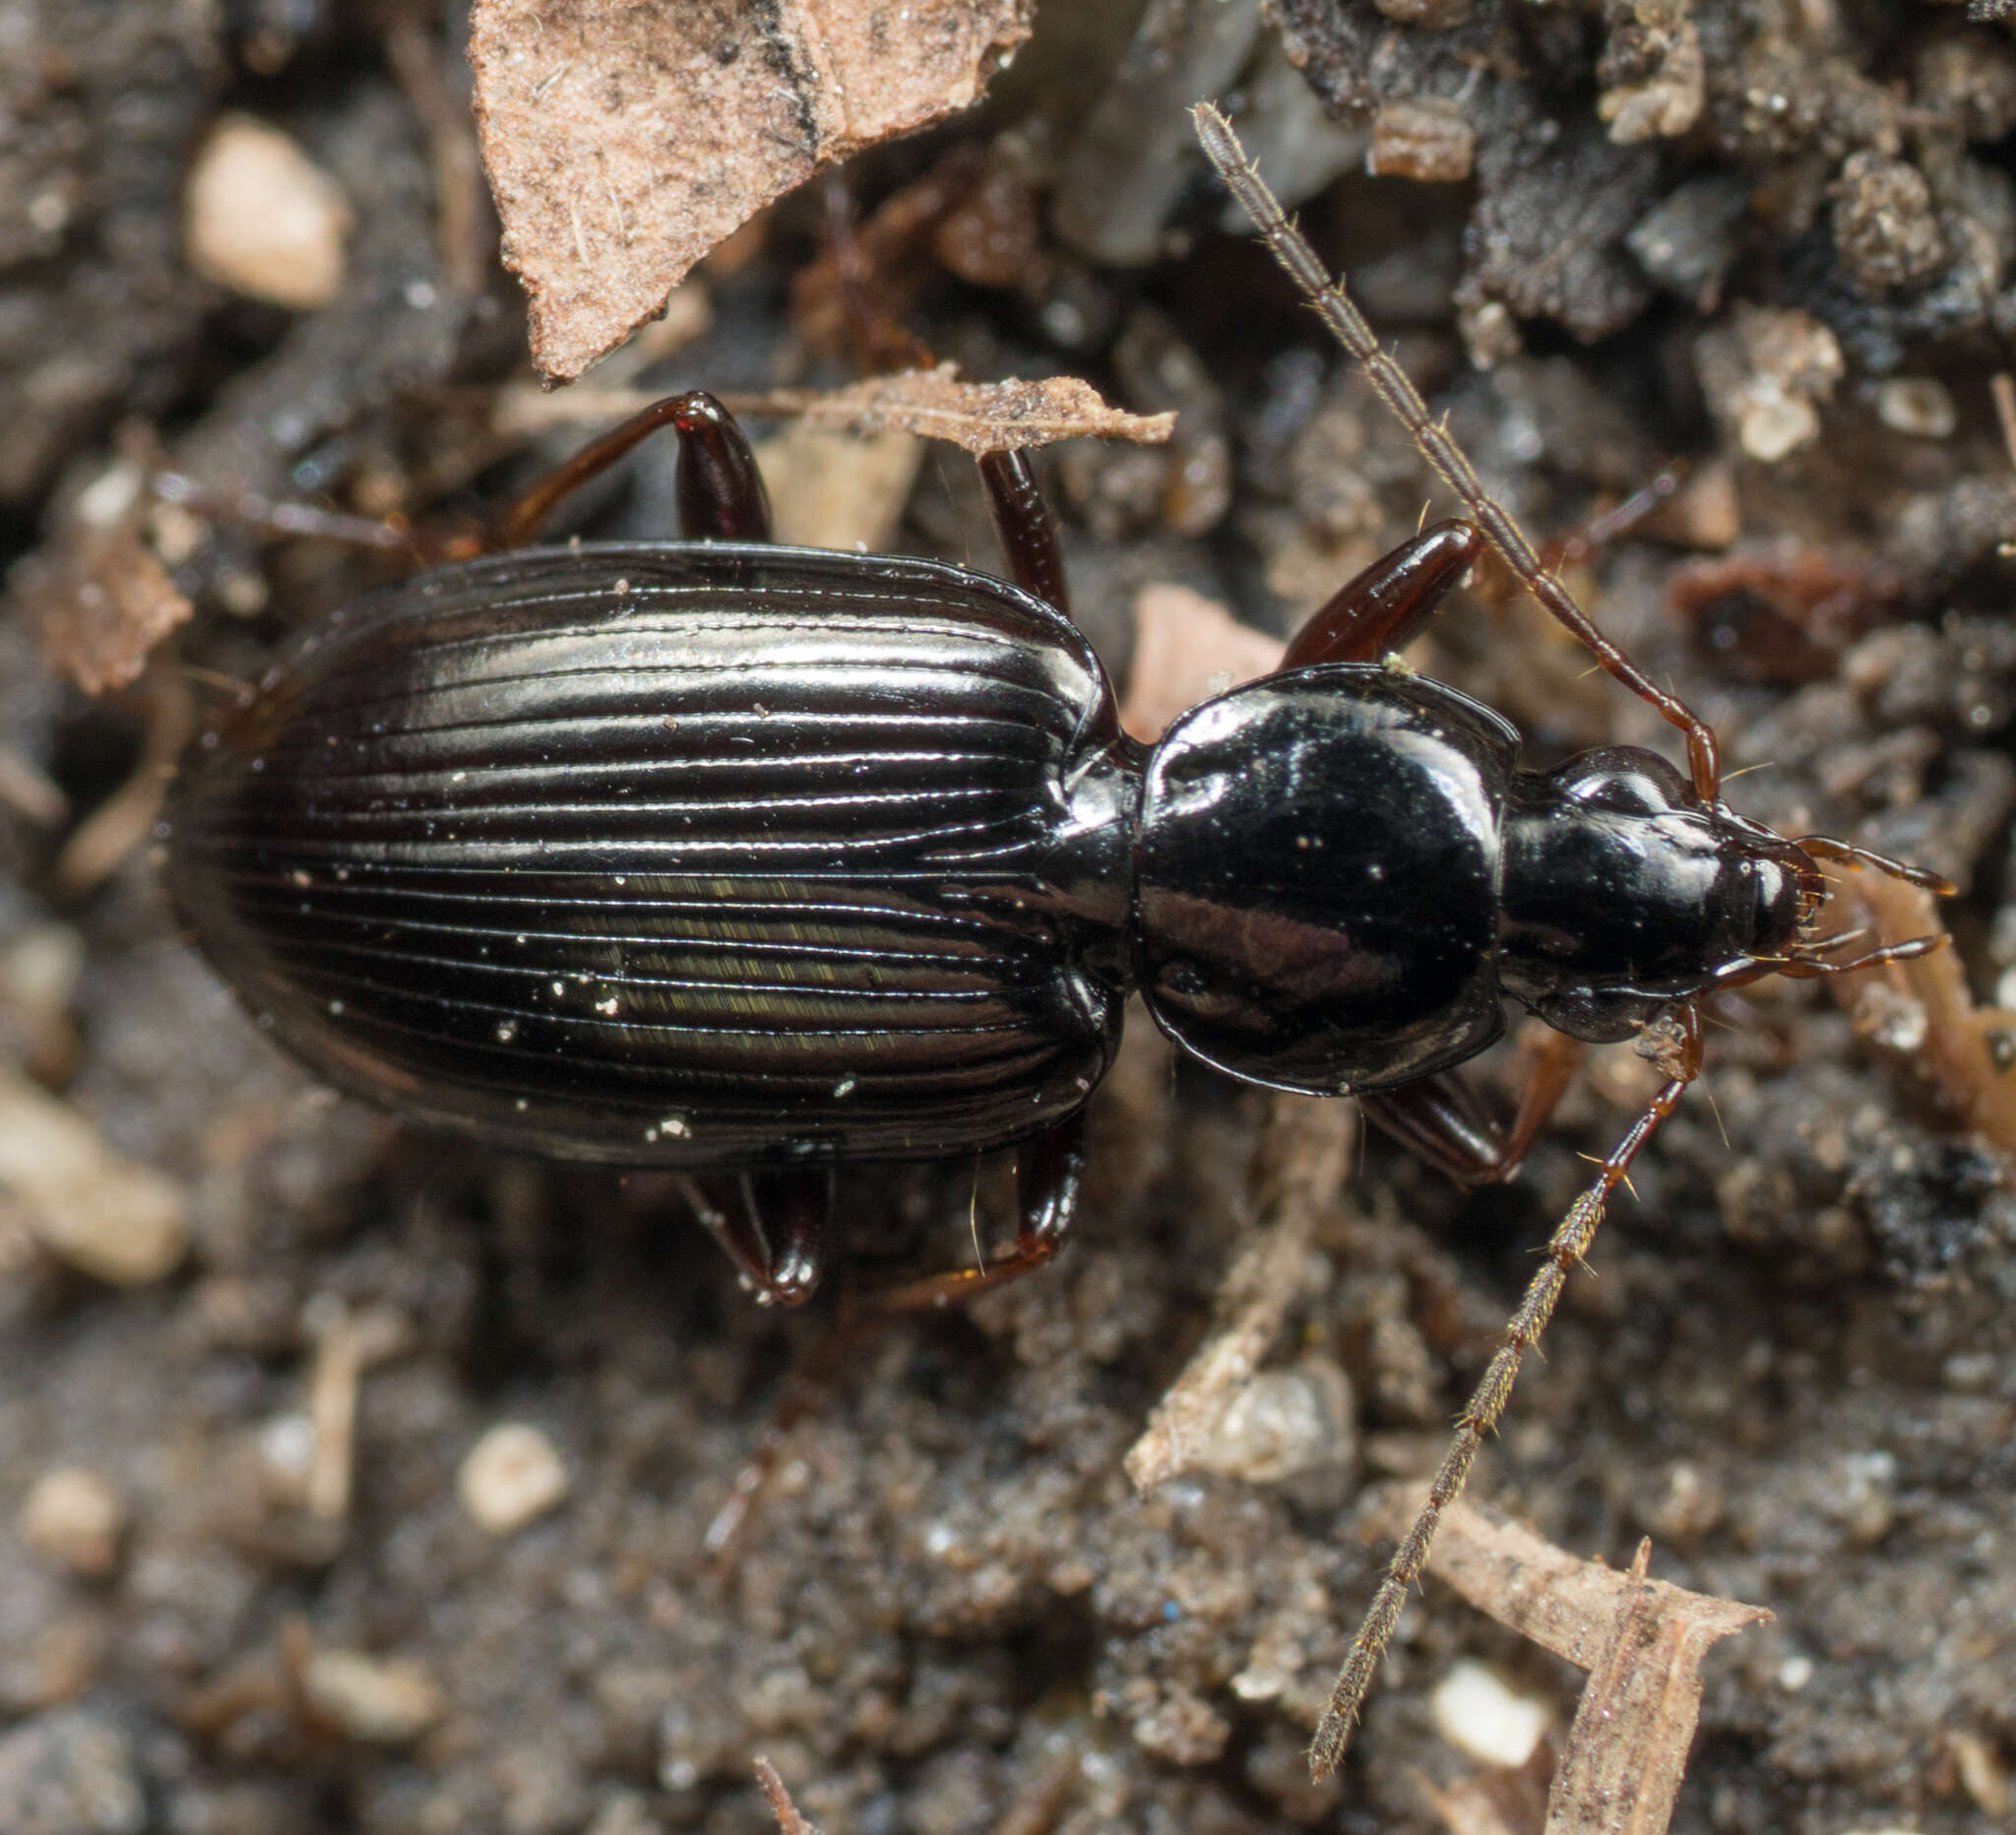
(788, 1273)
(1027, 531)
(720, 487)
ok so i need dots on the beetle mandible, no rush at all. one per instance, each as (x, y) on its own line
(718, 853)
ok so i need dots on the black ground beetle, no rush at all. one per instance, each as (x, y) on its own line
(714, 853)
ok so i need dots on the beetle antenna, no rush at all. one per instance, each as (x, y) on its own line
(1566, 1248)
(1826, 848)
(1347, 324)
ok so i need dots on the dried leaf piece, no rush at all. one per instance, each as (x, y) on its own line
(99, 596)
(623, 142)
(1641, 1640)
(1186, 648)
(981, 417)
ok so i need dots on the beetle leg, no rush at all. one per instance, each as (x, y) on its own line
(1389, 604)
(1022, 520)
(1049, 1178)
(1442, 1119)
(786, 1275)
(720, 490)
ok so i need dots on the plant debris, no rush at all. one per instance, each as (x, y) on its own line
(1795, 1365)
(1641, 1640)
(1301, 1155)
(623, 143)
(981, 417)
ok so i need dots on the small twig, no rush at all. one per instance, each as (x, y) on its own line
(2002, 389)
(1306, 1149)
(460, 216)
(1641, 1640)
(789, 1819)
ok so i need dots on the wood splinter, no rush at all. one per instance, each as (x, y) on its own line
(1641, 1640)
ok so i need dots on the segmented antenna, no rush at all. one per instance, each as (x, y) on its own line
(1682, 1060)
(1347, 324)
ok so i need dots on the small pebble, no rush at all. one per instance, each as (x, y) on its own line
(75, 1518)
(263, 219)
(1919, 405)
(1763, 373)
(1283, 1423)
(70, 1772)
(382, 1701)
(511, 1476)
(1429, 139)
(1478, 1713)
(109, 1219)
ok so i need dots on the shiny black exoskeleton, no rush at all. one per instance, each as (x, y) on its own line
(712, 851)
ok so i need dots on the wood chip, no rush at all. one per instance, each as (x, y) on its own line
(1962, 1043)
(1186, 648)
(1641, 1640)
(624, 142)
(117, 1222)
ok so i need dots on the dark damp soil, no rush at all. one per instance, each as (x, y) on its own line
(1794, 1365)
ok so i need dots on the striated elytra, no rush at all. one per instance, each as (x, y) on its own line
(717, 853)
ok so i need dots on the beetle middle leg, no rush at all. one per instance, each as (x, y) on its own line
(1050, 1176)
(1026, 532)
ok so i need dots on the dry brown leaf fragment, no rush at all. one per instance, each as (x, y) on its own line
(981, 417)
(1186, 648)
(623, 142)
(99, 595)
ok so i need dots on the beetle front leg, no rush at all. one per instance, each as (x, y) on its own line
(1049, 1178)
(1442, 1119)
(1389, 604)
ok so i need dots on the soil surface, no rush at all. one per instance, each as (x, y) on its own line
(243, 1584)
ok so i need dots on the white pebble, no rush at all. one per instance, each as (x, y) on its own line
(1478, 1713)
(114, 1221)
(263, 219)
(1921, 405)
(1283, 1423)
(384, 1701)
(74, 1518)
(511, 1476)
